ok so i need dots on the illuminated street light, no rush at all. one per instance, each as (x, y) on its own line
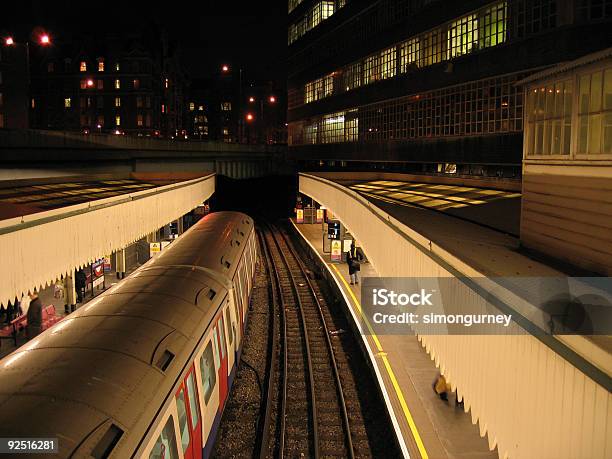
(225, 68)
(251, 99)
(44, 39)
(8, 41)
(249, 117)
(90, 83)
(272, 99)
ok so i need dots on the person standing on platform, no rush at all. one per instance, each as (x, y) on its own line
(353, 266)
(80, 279)
(34, 316)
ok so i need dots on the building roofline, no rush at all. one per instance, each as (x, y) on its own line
(567, 66)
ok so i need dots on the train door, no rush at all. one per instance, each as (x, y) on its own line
(230, 330)
(208, 389)
(223, 359)
(190, 420)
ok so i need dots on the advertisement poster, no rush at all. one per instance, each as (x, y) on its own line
(299, 215)
(107, 263)
(336, 250)
(319, 215)
(154, 248)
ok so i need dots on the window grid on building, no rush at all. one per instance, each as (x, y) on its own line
(312, 18)
(410, 54)
(462, 36)
(595, 112)
(548, 123)
(589, 10)
(489, 106)
(484, 28)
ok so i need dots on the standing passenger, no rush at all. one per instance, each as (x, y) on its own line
(34, 316)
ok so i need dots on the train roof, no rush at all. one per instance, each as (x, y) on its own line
(97, 372)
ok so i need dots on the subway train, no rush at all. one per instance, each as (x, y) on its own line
(143, 370)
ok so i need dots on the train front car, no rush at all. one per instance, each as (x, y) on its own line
(144, 369)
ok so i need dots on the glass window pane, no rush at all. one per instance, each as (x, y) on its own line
(567, 99)
(607, 133)
(584, 93)
(595, 134)
(193, 397)
(583, 128)
(567, 129)
(608, 90)
(208, 372)
(182, 418)
(595, 92)
(165, 446)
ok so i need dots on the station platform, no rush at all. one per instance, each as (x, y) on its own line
(430, 427)
(419, 229)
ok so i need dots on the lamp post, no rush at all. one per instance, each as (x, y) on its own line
(44, 40)
(225, 69)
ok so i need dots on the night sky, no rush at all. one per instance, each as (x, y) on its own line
(252, 35)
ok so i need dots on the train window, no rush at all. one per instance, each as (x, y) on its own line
(209, 374)
(165, 446)
(182, 418)
(228, 322)
(222, 331)
(191, 393)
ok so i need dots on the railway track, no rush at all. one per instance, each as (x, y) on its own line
(311, 416)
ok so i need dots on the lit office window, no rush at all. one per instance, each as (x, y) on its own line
(201, 108)
(117, 84)
(32, 103)
(117, 120)
(462, 36)
(480, 107)
(410, 54)
(352, 76)
(83, 66)
(318, 89)
(595, 112)
(166, 83)
(83, 84)
(492, 23)
(332, 128)
(549, 112)
(139, 120)
(117, 101)
(163, 108)
(387, 63)
(431, 46)
(100, 65)
(136, 83)
(117, 67)
(191, 106)
(67, 102)
(226, 106)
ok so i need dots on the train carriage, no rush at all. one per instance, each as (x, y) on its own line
(145, 369)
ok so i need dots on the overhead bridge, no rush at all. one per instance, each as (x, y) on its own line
(28, 153)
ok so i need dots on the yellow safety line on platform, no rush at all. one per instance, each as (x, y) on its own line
(383, 356)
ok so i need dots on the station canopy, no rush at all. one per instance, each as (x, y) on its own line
(50, 227)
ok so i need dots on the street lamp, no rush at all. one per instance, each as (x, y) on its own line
(90, 83)
(272, 99)
(249, 117)
(225, 68)
(251, 99)
(8, 41)
(44, 39)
